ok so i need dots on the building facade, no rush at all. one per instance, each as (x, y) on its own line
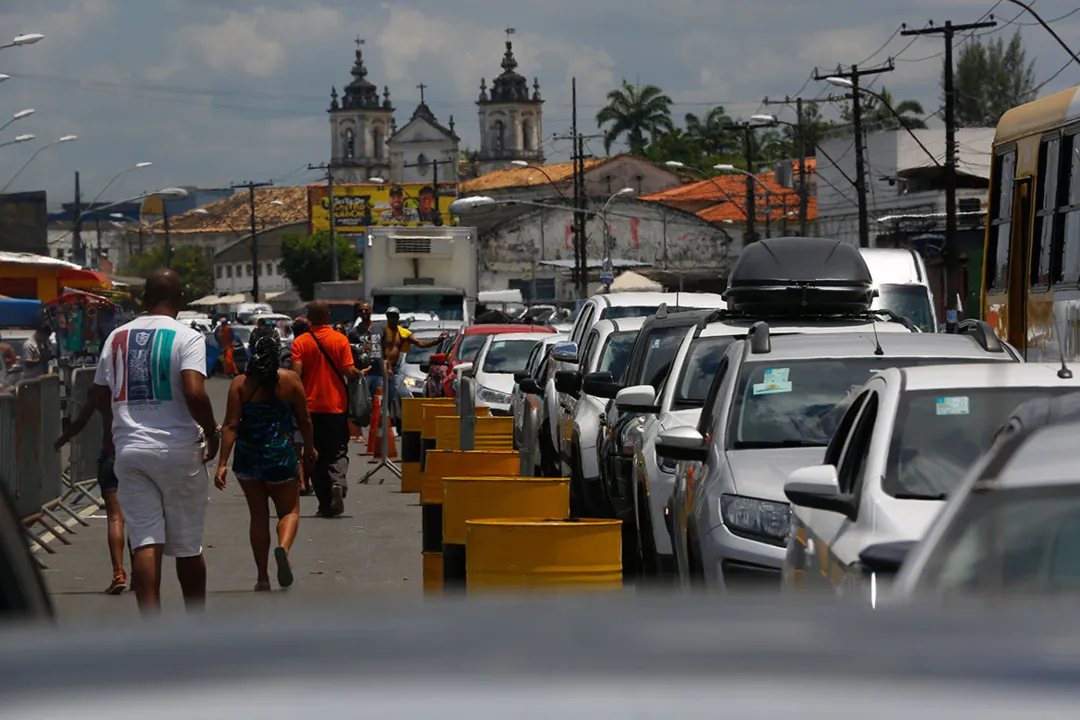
(511, 119)
(361, 125)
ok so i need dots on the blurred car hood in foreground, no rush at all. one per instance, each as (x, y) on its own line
(619, 655)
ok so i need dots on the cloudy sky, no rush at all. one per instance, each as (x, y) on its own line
(221, 91)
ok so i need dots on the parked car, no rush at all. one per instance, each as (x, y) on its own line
(906, 441)
(772, 408)
(412, 374)
(527, 397)
(462, 348)
(499, 360)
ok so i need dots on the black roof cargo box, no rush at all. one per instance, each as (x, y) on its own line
(800, 276)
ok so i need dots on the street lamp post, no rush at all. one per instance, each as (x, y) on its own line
(751, 178)
(24, 39)
(78, 250)
(18, 139)
(607, 271)
(64, 139)
(748, 129)
(18, 116)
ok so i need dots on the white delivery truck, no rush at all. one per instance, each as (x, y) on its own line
(422, 270)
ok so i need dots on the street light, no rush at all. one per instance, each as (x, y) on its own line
(24, 39)
(525, 164)
(64, 139)
(18, 139)
(607, 270)
(377, 180)
(277, 202)
(18, 116)
(4, 77)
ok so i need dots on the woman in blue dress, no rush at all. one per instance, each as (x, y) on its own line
(267, 405)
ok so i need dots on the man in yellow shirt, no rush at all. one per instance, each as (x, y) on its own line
(396, 342)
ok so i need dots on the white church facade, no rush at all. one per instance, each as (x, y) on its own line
(367, 144)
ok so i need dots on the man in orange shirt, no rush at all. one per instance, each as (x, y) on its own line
(323, 359)
(227, 340)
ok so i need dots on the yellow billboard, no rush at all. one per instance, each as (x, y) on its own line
(357, 207)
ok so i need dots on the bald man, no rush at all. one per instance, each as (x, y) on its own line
(323, 359)
(164, 432)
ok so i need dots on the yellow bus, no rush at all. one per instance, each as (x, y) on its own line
(1031, 278)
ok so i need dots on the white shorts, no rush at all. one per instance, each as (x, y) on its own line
(164, 494)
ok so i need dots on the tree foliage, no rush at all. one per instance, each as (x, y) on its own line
(635, 112)
(306, 261)
(989, 78)
(195, 269)
(877, 115)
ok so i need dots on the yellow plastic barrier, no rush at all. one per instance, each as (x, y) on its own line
(433, 573)
(494, 433)
(412, 445)
(526, 554)
(476, 498)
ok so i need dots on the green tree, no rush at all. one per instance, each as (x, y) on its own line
(195, 270)
(989, 79)
(713, 132)
(817, 130)
(306, 261)
(634, 112)
(877, 116)
(675, 145)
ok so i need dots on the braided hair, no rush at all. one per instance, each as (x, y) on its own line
(265, 349)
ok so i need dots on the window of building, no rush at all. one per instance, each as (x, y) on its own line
(377, 139)
(499, 136)
(350, 144)
(239, 270)
(228, 271)
(248, 266)
(269, 268)
(280, 269)
(220, 271)
(1001, 208)
(526, 135)
(258, 269)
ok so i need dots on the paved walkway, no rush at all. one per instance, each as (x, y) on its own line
(372, 550)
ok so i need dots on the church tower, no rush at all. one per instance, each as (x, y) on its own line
(360, 126)
(511, 125)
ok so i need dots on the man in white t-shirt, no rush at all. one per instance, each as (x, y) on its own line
(164, 432)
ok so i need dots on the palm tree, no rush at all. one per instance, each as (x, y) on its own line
(910, 112)
(634, 112)
(713, 133)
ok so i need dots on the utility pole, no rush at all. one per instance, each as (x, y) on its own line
(78, 251)
(751, 191)
(434, 171)
(949, 250)
(165, 226)
(333, 220)
(803, 142)
(860, 161)
(254, 235)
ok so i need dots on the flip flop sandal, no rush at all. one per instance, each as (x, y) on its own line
(284, 569)
(118, 585)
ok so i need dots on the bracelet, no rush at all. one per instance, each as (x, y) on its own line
(216, 435)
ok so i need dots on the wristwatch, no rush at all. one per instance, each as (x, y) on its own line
(216, 435)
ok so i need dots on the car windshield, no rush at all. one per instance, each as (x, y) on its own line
(616, 353)
(699, 369)
(470, 347)
(416, 354)
(939, 434)
(907, 301)
(1012, 541)
(616, 313)
(661, 346)
(799, 403)
(507, 356)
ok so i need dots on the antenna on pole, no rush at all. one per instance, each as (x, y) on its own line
(359, 42)
(509, 32)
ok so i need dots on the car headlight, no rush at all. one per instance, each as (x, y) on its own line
(494, 397)
(412, 383)
(760, 519)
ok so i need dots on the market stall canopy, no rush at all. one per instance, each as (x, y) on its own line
(630, 281)
(207, 301)
(82, 279)
(19, 313)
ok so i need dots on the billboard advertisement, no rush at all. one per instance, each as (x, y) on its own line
(357, 207)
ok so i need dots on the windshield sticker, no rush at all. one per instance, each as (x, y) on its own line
(952, 406)
(779, 375)
(655, 343)
(772, 387)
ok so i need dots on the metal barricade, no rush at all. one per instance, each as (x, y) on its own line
(9, 443)
(86, 446)
(28, 443)
(49, 468)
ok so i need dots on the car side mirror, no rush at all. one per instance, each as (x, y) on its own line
(682, 443)
(818, 487)
(465, 368)
(639, 399)
(530, 386)
(568, 381)
(520, 375)
(565, 353)
(885, 558)
(600, 384)
(437, 359)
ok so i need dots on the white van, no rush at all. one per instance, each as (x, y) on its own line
(902, 285)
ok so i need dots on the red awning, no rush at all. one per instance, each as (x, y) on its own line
(84, 278)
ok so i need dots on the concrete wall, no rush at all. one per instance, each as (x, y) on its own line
(645, 232)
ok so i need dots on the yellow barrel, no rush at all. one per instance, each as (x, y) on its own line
(433, 573)
(477, 498)
(471, 463)
(432, 411)
(412, 412)
(520, 554)
(494, 433)
(448, 433)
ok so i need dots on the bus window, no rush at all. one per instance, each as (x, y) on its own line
(1001, 195)
(1045, 254)
(1069, 206)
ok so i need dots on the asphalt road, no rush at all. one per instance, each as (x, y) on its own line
(372, 551)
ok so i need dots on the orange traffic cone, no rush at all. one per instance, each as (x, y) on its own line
(374, 444)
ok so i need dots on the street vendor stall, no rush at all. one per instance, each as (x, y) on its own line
(82, 321)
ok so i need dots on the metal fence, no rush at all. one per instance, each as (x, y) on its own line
(86, 447)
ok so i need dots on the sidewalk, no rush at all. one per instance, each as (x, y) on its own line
(373, 549)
